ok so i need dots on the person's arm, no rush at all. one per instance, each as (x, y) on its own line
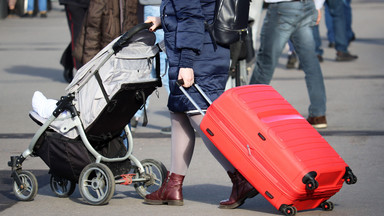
(190, 30)
(319, 4)
(189, 36)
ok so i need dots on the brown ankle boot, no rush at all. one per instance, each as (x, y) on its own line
(241, 190)
(169, 193)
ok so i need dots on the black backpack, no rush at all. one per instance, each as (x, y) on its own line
(230, 22)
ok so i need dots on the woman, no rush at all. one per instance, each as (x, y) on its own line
(192, 58)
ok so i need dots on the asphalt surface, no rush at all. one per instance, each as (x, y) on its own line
(30, 51)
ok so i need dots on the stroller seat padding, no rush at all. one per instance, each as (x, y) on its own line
(63, 126)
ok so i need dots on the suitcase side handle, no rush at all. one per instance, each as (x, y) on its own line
(180, 83)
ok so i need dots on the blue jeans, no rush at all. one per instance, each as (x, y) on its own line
(42, 5)
(284, 21)
(154, 10)
(348, 22)
(316, 36)
(336, 20)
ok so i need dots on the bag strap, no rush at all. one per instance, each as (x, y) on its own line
(209, 29)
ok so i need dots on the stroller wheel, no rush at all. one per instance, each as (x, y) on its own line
(62, 187)
(155, 172)
(96, 184)
(28, 188)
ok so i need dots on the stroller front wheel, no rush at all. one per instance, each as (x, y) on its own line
(156, 173)
(62, 187)
(96, 184)
(28, 188)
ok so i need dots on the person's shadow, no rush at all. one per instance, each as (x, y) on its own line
(49, 73)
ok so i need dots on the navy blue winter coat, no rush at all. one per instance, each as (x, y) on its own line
(188, 45)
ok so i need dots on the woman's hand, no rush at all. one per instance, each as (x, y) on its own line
(156, 22)
(187, 75)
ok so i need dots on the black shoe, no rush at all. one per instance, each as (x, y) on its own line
(331, 45)
(320, 58)
(27, 15)
(353, 38)
(68, 74)
(12, 14)
(43, 14)
(345, 56)
(292, 59)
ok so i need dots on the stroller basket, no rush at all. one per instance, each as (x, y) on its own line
(67, 157)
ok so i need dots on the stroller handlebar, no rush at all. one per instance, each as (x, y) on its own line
(127, 35)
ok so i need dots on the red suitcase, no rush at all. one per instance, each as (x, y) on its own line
(275, 148)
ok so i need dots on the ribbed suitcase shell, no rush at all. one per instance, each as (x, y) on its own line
(273, 146)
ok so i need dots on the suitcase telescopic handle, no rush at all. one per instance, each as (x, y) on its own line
(119, 44)
(180, 83)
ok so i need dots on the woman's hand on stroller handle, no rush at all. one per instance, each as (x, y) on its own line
(156, 23)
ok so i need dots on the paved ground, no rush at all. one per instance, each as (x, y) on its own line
(30, 51)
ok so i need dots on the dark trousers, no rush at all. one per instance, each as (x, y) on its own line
(75, 16)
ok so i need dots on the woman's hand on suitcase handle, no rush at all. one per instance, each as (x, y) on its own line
(156, 21)
(186, 77)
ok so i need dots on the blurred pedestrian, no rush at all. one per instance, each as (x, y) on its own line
(329, 23)
(104, 21)
(255, 11)
(12, 10)
(293, 20)
(342, 32)
(292, 57)
(75, 11)
(42, 4)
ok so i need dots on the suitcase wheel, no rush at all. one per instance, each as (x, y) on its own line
(310, 181)
(288, 210)
(349, 177)
(327, 206)
(311, 184)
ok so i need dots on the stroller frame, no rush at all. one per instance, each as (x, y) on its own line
(25, 183)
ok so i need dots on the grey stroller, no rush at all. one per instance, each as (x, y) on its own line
(86, 140)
